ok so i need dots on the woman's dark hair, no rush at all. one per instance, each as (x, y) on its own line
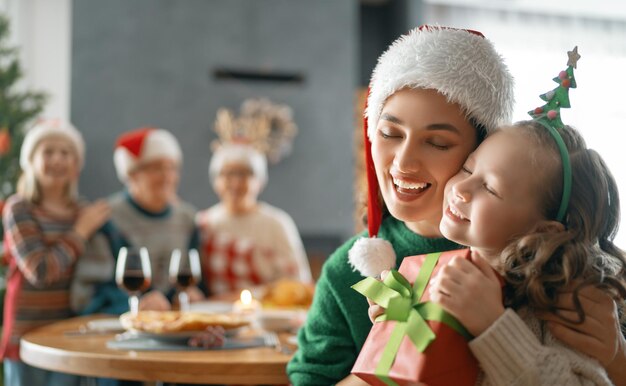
(481, 131)
(543, 263)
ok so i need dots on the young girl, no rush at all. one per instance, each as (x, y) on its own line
(504, 203)
(45, 232)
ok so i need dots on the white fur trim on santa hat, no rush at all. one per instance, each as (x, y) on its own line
(371, 256)
(158, 143)
(48, 128)
(461, 65)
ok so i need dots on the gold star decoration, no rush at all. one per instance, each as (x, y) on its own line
(573, 57)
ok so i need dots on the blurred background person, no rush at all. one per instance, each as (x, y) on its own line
(46, 232)
(146, 214)
(246, 242)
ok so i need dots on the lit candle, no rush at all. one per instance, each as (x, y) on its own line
(246, 304)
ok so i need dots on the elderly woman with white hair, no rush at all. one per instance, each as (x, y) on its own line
(246, 242)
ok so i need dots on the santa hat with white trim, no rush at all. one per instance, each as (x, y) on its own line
(45, 128)
(142, 145)
(460, 64)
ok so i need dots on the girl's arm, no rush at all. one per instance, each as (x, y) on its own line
(91, 217)
(599, 336)
(511, 354)
(40, 263)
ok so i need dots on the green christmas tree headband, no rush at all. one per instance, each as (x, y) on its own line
(549, 115)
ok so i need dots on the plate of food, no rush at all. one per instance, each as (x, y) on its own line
(176, 325)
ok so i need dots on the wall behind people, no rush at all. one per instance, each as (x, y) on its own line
(154, 62)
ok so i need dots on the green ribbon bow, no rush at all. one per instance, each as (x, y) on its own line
(402, 304)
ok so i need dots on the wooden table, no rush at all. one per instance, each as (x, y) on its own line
(49, 348)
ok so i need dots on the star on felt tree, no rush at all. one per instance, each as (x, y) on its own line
(558, 98)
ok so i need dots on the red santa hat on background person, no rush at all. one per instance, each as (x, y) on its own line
(460, 64)
(142, 145)
(45, 128)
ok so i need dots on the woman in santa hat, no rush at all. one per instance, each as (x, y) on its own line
(246, 242)
(147, 214)
(434, 96)
(46, 232)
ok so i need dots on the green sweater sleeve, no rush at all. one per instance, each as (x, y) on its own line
(338, 319)
(337, 323)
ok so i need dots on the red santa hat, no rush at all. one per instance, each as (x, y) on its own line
(461, 65)
(45, 128)
(142, 145)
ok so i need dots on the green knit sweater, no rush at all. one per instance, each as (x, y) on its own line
(337, 323)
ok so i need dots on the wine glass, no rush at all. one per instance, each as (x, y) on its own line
(184, 272)
(133, 274)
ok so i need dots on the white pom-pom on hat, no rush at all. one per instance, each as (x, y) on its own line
(371, 256)
(142, 145)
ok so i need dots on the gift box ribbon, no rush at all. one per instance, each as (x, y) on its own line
(402, 304)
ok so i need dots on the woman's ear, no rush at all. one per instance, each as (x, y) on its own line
(550, 226)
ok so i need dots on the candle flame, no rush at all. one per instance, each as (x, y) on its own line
(246, 297)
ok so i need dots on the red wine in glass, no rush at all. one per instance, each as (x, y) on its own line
(185, 279)
(133, 274)
(184, 272)
(135, 282)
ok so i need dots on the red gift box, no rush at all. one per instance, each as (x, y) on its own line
(447, 360)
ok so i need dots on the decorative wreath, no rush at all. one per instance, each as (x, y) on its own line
(266, 126)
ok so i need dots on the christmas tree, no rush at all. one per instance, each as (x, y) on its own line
(549, 115)
(17, 108)
(558, 98)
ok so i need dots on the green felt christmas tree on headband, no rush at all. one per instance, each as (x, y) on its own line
(549, 115)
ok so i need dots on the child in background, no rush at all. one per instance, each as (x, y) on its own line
(46, 228)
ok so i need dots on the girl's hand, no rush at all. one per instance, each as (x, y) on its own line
(91, 218)
(375, 309)
(154, 301)
(599, 336)
(470, 291)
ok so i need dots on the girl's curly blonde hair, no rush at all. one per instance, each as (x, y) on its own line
(542, 264)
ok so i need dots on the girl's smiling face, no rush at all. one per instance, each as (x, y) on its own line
(496, 196)
(421, 141)
(55, 162)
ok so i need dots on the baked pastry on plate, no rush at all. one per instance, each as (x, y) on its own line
(159, 322)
